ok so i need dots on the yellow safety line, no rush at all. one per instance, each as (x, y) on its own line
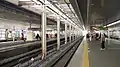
(85, 59)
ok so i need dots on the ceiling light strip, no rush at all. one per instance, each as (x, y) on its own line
(114, 23)
(49, 5)
(72, 12)
(79, 12)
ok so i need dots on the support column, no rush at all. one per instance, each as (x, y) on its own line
(44, 33)
(13, 33)
(65, 33)
(108, 37)
(58, 32)
(30, 24)
(30, 35)
(70, 31)
(75, 33)
(79, 33)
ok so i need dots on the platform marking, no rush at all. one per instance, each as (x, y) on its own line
(85, 59)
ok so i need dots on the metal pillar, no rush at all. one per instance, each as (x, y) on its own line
(108, 37)
(30, 24)
(79, 33)
(58, 32)
(44, 33)
(65, 33)
(75, 33)
(13, 34)
(70, 31)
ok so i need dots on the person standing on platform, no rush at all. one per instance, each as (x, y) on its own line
(6, 34)
(90, 37)
(87, 36)
(13, 35)
(103, 41)
(38, 37)
(22, 34)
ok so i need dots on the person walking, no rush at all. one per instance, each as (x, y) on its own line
(103, 41)
(97, 36)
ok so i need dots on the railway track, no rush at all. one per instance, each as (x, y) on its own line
(26, 55)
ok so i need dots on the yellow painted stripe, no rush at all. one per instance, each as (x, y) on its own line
(86, 59)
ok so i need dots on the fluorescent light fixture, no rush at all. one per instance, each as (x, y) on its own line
(59, 12)
(83, 27)
(113, 23)
(105, 26)
(47, 3)
(54, 1)
(37, 2)
(24, 0)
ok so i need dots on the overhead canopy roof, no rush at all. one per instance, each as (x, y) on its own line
(11, 12)
(100, 12)
(14, 12)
